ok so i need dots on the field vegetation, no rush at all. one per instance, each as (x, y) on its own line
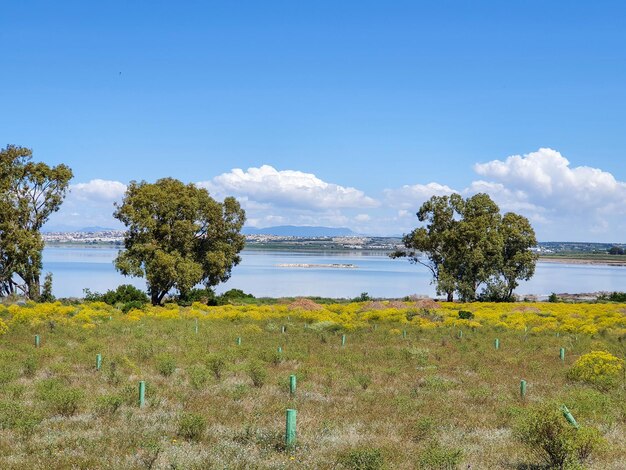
(414, 385)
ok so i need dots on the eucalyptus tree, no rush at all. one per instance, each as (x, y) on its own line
(467, 245)
(178, 236)
(29, 193)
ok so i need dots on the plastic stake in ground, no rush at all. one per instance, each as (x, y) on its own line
(98, 361)
(142, 394)
(292, 384)
(522, 389)
(568, 416)
(290, 431)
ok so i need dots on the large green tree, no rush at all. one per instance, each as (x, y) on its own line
(468, 245)
(178, 236)
(29, 193)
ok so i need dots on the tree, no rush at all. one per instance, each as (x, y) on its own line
(29, 193)
(467, 244)
(178, 236)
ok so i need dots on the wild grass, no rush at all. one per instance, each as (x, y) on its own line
(430, 400)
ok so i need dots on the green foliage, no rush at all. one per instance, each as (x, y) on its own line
(217, 365)
(234, 296)
(123, 294)
(364, 297)
(439, 457)
(18, 417)
(29, 366)
(29, 193)
(191, 426)
(46, 291)
(178, 236)
(544, 430)
(109, 403)
(619, 297)
(257, 372)
(58, 398)
(553, 298)
(467, 243)
(198, 376)
(165, 364)
(465, 315)
(363, 458)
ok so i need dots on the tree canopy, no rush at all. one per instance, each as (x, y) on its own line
(178, 236)
(467, 244)
(29, 193)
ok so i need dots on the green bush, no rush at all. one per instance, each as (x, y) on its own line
(198, 376)
(165, 364)
(257, 372)
(191, 426)
(465, 315)
(58, 398)
(217, 365)
(544, 430)
(439, 457)
(18, 417)
(364, 458)
(123, 294)
(109, 403)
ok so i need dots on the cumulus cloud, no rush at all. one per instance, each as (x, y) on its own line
(413, 196)
(546, 178)
(98, 191)
(288, 188)
(89, 204)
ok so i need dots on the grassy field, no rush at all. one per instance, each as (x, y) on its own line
(441, 397)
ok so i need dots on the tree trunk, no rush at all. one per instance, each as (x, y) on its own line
(450, 297)
(33, 288)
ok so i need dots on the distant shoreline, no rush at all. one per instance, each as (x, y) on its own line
(586, 261)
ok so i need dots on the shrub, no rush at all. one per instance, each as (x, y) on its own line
(598, 368)
(165, 364)
(18, 417)
(109, 403)
(257, 373)
(364, 458)
(465, 315)
(551, 438)
(198, 376)
(58, 398)
(436, 456)
(217, 365)
(124, 293)
(191, 426)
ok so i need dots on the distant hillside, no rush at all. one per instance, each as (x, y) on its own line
(300, 231)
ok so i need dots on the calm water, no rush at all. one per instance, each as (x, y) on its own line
(75, 269)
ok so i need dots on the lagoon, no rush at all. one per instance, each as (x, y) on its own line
(260, 273)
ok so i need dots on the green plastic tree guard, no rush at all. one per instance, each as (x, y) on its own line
(568, 416)
(562, 354)
(343, 340)
(142, 394)
(98, 361)
(238, 340)
(280, 349)
(37, 341)
(522, 389)
(290, 431)
(292, 384)
(497, 343)
(196, 326)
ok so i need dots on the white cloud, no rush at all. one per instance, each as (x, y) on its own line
(98, 191)
(413, 196)
(287, 188)
(89, 204)
(546, 178)
(362, 218)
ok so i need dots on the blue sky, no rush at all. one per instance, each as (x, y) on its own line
(337, 113)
